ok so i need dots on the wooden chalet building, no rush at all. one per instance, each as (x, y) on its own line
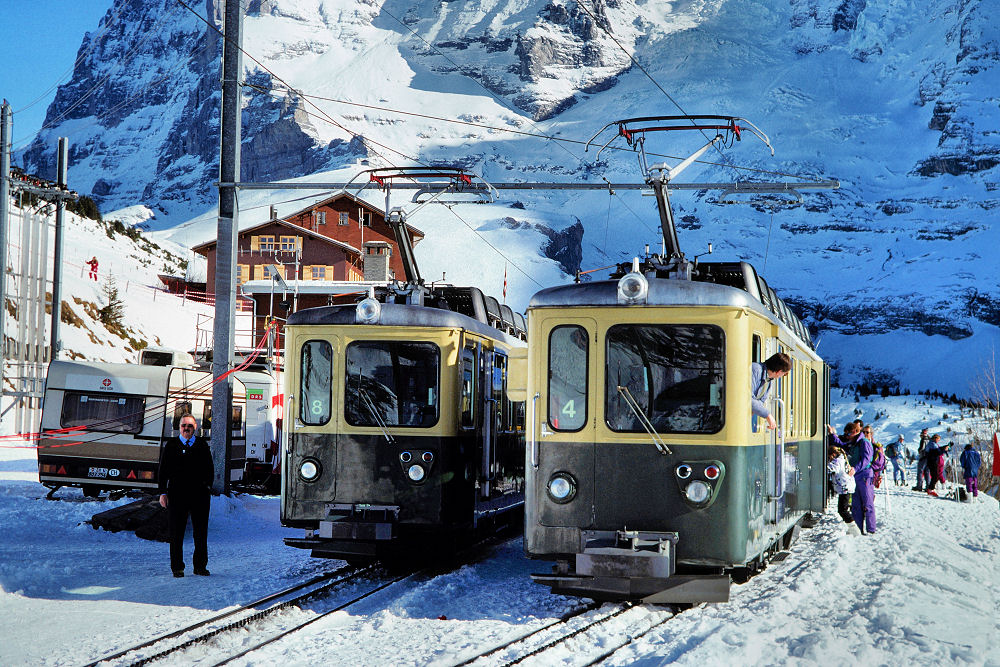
(323, 254)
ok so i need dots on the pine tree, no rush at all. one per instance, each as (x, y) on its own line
(111, 314)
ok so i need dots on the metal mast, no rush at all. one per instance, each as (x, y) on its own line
(225, 258)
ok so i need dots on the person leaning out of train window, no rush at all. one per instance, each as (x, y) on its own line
(762, 377)
(186, 476)
(843, 481)
(859, 455)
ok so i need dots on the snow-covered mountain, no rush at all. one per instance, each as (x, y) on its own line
(896, 100)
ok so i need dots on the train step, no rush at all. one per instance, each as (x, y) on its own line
(144, 517)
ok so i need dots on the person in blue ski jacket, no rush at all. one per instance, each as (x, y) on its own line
(894, 452)
(859, 455)
(971, 460)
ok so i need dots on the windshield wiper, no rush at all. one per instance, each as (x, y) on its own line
(366, 399)
(644, 420)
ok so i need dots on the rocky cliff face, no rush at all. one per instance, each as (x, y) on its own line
(896, 101)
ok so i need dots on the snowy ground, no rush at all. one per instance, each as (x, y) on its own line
(922, 590)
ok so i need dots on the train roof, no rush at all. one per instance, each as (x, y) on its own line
(731, 284)
(399, 315)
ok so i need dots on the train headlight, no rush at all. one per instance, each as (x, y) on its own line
(712, 472)
(562, 487)
(368, 311)
(427, 457)
(697, 491)
(633, 288)
(416, 473)
(405, 457)
(309, 470)
(683, 471)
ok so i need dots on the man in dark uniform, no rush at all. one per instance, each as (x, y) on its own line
(186, 476)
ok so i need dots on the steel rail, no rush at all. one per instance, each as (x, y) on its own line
(218, 617)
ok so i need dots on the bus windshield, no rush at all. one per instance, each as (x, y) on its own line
(391, 383)
(674, 373)
(112, 413)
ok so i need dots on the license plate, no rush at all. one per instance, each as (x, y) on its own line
(97, 472)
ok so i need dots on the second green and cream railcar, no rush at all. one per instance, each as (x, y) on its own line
(647, 477)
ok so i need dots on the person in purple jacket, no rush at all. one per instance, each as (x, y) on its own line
(859, 455)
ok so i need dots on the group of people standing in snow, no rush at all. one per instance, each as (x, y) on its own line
(857, 465)
(856, 462)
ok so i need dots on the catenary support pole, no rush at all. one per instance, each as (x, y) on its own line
(225, 257)
(5, 129)
(62, 164)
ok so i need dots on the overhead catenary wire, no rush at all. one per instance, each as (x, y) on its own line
(645, 72)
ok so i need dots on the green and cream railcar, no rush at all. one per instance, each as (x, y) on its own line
(648, 477)
(402, 438)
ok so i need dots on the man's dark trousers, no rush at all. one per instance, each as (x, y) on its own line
(181, 505)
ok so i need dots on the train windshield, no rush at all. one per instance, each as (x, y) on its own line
(112, 413)
(391, 383)
(671, 374)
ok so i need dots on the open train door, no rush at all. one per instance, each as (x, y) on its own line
(775, 455)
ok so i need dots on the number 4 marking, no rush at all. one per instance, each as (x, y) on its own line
(569, 409)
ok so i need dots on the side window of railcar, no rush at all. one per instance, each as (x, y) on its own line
(672, 375)
(314, 385)
(813, 402)
(110, 413)
(468, 390)
(500, 392)
(568, 352)
(391, 383)
(755, 356)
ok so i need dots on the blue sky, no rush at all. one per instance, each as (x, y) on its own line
(39, 41)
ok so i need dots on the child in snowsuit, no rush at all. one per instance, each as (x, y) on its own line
(970, 460)
(859, 455)
(843, 482)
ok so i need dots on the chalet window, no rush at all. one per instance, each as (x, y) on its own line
(318, 272)
(266, 243)
(242, 273)
(289, 243)
(344, 219)
(366, 218)
(319, 218)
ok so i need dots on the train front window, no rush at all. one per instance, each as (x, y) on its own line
(111, 413)
(671, 375)
(316, 376)
(568, 351)
(391, 384)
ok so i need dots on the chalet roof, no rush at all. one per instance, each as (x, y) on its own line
(202, 248)
(334, 197)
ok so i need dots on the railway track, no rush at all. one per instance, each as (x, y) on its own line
(586, 623)
(579, 622)
(243, 616)
(311, 593)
